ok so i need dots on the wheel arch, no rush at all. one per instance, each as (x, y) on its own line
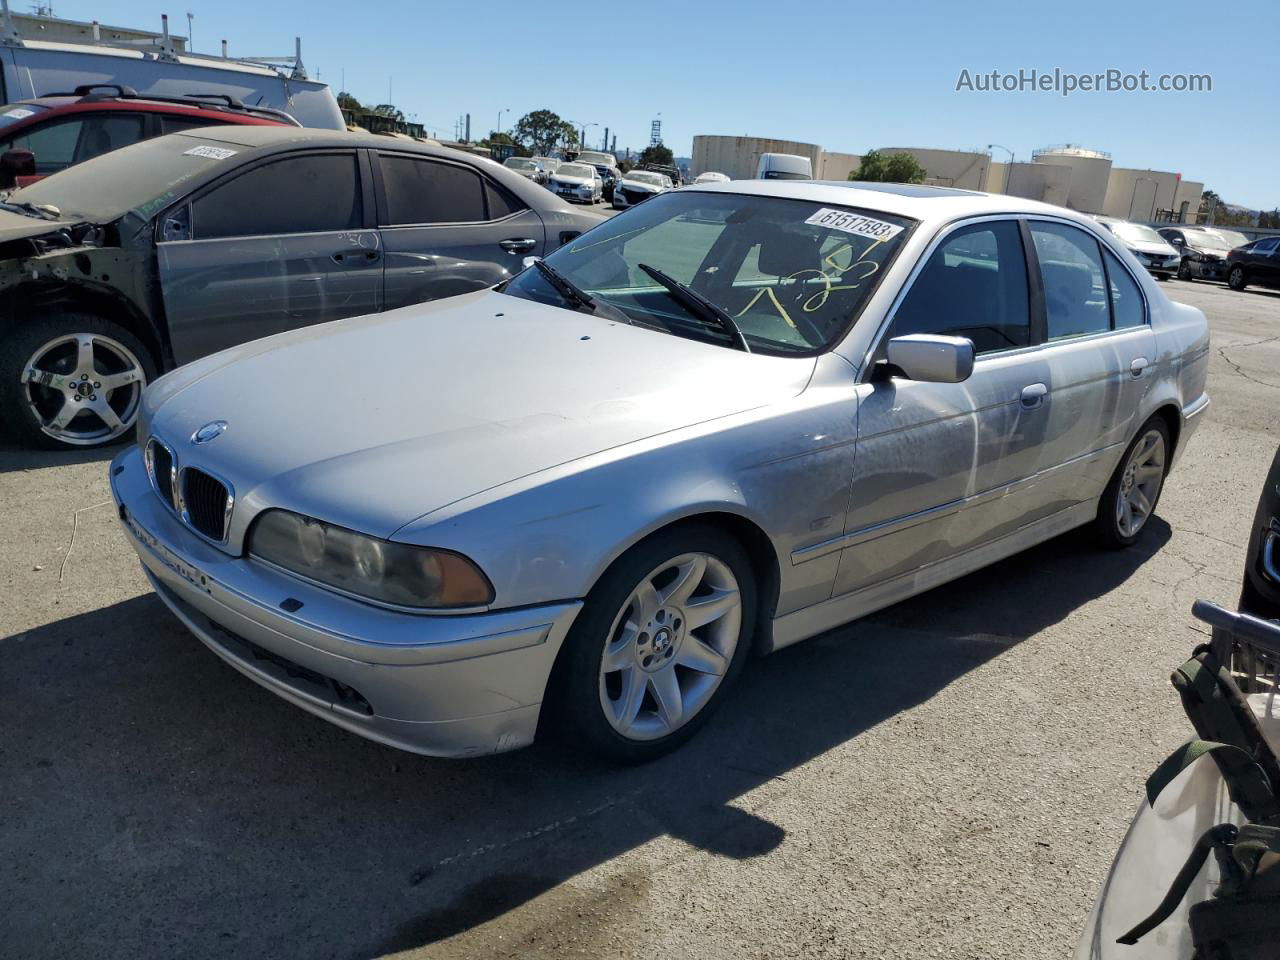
(44, 296)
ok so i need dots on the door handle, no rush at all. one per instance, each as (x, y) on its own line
(1137, 366)
(519, 245)
(343, 256)
(1033, 395)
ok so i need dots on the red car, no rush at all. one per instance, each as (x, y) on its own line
(47, 134)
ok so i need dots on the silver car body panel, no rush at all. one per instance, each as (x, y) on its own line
(543, 443)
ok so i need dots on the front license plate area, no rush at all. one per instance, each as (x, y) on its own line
(168, 557)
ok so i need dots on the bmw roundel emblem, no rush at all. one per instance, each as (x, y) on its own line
(210, 431)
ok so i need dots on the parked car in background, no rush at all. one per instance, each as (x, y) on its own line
(670, 171)
(161, 252)
(783, 166)
(606, 165)
(549, 164)
(1257, 263)
(527, 168)
(518, 527)
(1149, 248)
(63, 129)
(637, 186)
(1203, 251)
(32, 68)
(711, 177)
(579, 182)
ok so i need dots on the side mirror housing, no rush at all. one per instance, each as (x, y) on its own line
(932, 358)
(15, 164)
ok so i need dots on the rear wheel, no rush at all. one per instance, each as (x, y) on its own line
(1236, 279)
(660, 640)
(73, 381)
(1134, 489)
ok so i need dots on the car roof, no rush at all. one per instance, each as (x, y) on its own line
(918, 201)
(76, 103)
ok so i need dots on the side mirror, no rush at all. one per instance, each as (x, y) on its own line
(15, 164)
(932, 358)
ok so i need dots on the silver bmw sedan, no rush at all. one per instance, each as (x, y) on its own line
(731, 418)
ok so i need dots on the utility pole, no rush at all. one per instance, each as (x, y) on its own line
(605, 144)
(190, 42)
(468, 128)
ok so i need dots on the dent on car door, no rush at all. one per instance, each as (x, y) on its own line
(1101, 358)
(448, 230)
(278, 246)
(938, 464)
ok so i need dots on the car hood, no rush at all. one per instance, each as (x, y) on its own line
(375, 421)
(572, 181)
(1160, 249)
(640, 185)
(17, 226)
(1200, 246)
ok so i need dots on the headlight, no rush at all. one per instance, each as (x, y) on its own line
(396, 573)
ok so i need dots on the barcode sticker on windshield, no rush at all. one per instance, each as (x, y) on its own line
(854, 223)
(211, 153)
(18, 113)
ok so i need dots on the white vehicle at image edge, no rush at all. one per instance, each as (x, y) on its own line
(577, 181)
(638, 186)
(736, 417)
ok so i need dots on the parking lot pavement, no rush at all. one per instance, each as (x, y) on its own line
(950, 777)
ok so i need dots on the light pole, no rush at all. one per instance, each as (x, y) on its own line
(1008, 170)
(500, 113)
(190, 17)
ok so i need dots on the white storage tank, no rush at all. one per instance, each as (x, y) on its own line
(1090, 171)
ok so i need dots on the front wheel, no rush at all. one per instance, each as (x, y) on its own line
(1134, 489)
(1236, 279)
(74, 380)
(659, 641)
(1184, 270)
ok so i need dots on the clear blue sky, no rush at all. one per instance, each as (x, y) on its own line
(849, 77)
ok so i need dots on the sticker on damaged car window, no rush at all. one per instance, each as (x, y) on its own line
(210, 153)
(19, 113)
(854, 223)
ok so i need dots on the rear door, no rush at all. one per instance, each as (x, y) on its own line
(278, 245)
(1264, 262)
(447, 229)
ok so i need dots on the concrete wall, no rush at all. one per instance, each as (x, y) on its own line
(949, 168)
(738, 157)
(837, 166)
(1188, 192)
(1138, 194)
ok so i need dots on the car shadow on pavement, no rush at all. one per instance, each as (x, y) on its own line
(14, 456)
(157, 803)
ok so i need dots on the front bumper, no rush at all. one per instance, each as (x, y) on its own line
(1206, 269)
(447, 686)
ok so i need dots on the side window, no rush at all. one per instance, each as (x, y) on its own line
(1126, 299)
(54, 144)
(1266, 246)
(502, 203)
(305, 194)
(427, 191)
(1075, 300)
(975, 286)
(104, 132)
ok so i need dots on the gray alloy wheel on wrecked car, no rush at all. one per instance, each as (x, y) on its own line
(73, 381)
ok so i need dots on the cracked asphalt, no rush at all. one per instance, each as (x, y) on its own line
(948, 778)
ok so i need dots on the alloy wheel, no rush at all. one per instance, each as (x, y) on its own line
(670, 646)
(83, 388)
(1140, 483)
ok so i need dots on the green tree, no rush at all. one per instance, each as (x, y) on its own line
(658, 153)
(893, 168)
(1270, 220)
(347, 102)
(541, 131)
(388, 110)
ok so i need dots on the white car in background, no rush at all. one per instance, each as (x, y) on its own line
(638, 186)
(1149, 248)
(549, 164)
(577, 181)
(711, 176)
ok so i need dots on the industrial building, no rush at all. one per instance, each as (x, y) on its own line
(1065, 175)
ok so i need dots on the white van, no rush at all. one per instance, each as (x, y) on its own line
(784, 166)
(35, 68)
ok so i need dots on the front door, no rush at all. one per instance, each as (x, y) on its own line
(448, 230)
(938, 465)
(280, 245)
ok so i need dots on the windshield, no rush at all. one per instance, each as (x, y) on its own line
(1230, 238)
(144, 177)
(13, 112)
(597, 159)
(1135, 232)
(547, 163)
(520, 163)
(784, 175)
(640, 176)
(576, 170)
(793, 274)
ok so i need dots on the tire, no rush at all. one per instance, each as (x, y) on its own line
(100, 415)
(1184, 271)
(1236, 279)
(1151, 447)
(588, 704)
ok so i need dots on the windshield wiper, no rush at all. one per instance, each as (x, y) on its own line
(699, 305)
(574, 294)
(43, 211)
